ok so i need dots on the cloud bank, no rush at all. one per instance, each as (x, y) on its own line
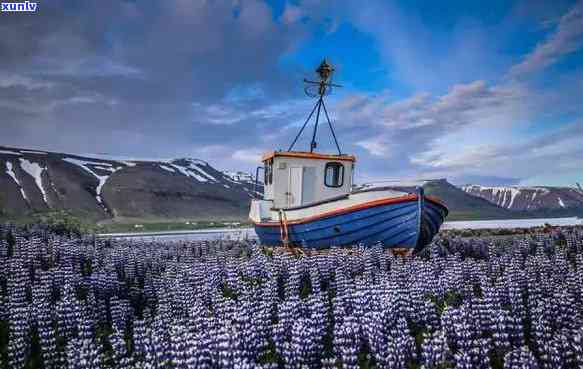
(221, 81)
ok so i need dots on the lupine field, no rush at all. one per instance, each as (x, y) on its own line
(501, 302)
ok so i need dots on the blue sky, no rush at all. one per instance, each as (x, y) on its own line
(478, 92)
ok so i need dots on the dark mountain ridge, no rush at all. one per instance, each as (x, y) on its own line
(466, 202)
(99, 189)
(463, 205)
(117, 189)
(529, 198)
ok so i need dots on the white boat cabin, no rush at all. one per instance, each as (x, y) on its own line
(294, 179)
(298, 184)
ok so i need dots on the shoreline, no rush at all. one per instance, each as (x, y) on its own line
(456, 224)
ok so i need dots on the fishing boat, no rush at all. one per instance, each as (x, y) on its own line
(310, 201)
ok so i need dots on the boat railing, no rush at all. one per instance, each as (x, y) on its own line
(414, 182)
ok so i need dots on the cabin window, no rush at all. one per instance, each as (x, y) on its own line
(334, 175)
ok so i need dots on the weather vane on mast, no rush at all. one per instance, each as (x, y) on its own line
(324, 86)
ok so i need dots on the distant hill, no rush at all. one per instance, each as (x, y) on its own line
(462, 205)
(530, 199)
(107, 188)
(465, 203)
(479, 202)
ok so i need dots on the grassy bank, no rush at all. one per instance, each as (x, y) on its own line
(166, 226)
(62, 222)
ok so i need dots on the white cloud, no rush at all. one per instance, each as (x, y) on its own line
(210, 150)
(93, 66)
(219, 114)
(464, 124)
(15, 80)
(252, 155)
(463, 105)
(376, 146)
(567, 38)
(463, 157)
(417, 122)
(291, 13)
(550, 155)
(475, 129)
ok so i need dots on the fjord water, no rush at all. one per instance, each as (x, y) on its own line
(511, 223)
(249, 233)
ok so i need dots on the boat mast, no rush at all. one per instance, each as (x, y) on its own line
(324, 85)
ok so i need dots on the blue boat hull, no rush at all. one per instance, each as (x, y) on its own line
(411, 223)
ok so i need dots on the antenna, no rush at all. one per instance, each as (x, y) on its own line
(319, 89)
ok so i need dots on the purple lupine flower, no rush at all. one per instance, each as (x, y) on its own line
(202, 353)
(329, 363)
(229, 347)
(119, 349)
(542, 333)
(520, 358)
(83, 354)
(516, 331)
(18, 315)
(119, 311)
(347, 342)
(562, 353)
(429, 315)
(501, 335)
(577, 348)
(435, 352)
(68, 312)
(302, 345)
(157, 350)
(463, 360)
(140, 339)
(42, 310)
(494, 288)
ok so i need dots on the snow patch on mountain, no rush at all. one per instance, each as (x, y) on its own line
(191, 161)
(189, 173)
(193, 168)
(35, 171)
(167, 168)
(107, 169)
(528, 197)
(34, 152)
(513, 193)
(247, 180)
(197, 166)
(10, 172)
(140, 188)
(238, 176)
(102, 179)
(208, 176)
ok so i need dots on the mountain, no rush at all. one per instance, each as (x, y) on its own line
(126, 190)
(537, 199)
(468, 203)
(99, 189)
(463, 205)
